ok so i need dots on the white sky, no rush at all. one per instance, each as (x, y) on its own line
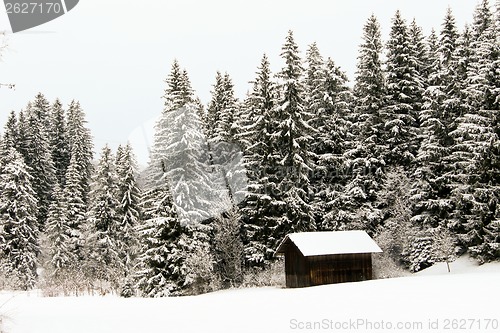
(114, 55)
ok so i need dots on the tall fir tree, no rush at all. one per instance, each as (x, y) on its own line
(80, 147)
(225, 141)
(474, 179)
(215, 107)
(77, 208)
(261, 210)
(370, 86)
(22, 136)
(59, 142)
(448, 38)
(291, 141)
(184, 159)
(10, 134)
(78, 177)
(404, 88)
(158, 269)
(335, 124)
(61, 258)
(433, 65)
(103, 240)
(484, 79)
(129, 196)
(452, 106)
(19, 228)
(365, 157)
(155, 266)
(178, 195)
(40, 108)
(463, 56)
(475, 158)
(314, 101)
(430, 200)
(314, 83)
(37, 155)
(420, 53)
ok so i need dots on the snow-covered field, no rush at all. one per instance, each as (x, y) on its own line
(465, 300)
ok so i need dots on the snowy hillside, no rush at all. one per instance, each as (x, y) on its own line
(465, 295)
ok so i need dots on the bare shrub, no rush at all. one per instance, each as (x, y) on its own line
(271, 275)
(228, 249)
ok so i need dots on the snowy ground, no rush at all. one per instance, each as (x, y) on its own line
(429, 301)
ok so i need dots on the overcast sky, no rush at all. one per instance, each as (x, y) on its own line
(114, 55)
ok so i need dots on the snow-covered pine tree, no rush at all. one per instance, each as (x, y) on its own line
(314, 84)
(462, 70)
(448, 38)
(59, 141)
(118, 155)
(103, 238)
(365, 157)
(61, 260)
(194, 193)
(19, 227)
(77, 176)
(221, 110)
(40, 108)
(214, 109)
(178, 91)
(225, 140)
(474, 175)
(37, 155)
(433, 65)
(430, 190)
(404, 91)
(10, 133)
(75, 196)
(329, 101)
(314, 100)
(493, 74)
(129, 196)
(176, 201)
(292, 137)
(475, 158)
(370, 87)
(483, 74)
(337, 140)
(185, 159)
(262, 207)
(158, 268)
(226, 129)
(22, 139)
(452, 106)
(80, 147)
(420, 55)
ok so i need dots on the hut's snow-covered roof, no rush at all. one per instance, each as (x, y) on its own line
(330, 242)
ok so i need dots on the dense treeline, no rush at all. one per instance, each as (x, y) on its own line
(410, 153)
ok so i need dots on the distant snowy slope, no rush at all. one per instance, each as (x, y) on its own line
(464, 264)
(414, 302)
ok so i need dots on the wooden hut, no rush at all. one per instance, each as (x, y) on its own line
(316, 258)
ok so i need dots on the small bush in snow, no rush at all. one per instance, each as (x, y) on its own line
(271, 275)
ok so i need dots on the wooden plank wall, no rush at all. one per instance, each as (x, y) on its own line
(318, 270)
(296, 268)
(340, 268)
